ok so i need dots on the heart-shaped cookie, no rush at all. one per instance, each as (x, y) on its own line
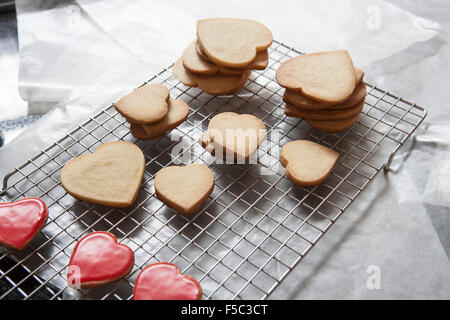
(110, 176)
(300, 101)
(214, 85)
(307, 163)
(98, 259)
(184, 189)
(20, 221)
(232, 42)
(145, 105)
(327, 77)
(178, 112)
(233, 134)
(164, 281)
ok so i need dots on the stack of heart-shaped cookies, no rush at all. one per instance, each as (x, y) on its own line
(151, 112)
(325, 88)
(222, 57)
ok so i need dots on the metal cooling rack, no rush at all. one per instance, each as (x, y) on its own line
(254, 228)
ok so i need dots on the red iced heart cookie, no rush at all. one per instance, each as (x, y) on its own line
(164, 281)
(20, 221)
(98, 259)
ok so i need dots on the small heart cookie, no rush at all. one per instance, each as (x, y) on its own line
(307, 163)
(300, 101)
(232, 133)
(260, 63)
(214, 85)
(164, 281)
(20, 221)
(178, 112)
(145, 105)
(326, 114)
(333, 125)
(232, 42)
(98, 259)
(327, 77)
(110, 176)
(184, 189)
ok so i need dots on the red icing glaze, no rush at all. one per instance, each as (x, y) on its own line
(164, 281)
(97, 259)
(20, 221)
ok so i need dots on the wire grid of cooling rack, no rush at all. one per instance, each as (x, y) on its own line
(255, 227)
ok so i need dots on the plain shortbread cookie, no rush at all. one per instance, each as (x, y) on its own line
(246, 131)
(307, 163)
(110, 176)
(327, 77)
(232, 42)
(184, 189)
(145, 105)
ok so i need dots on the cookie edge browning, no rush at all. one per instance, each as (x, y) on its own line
(336, 125)
(199, 296)
(213, 69)
(181, 73)
(359, 74)
(92, 284)
(231, 64)
(293, 111)
(25, 245)
(181, 210)
(360, 89)
(137, 119)
(104, 203)
(285, 163)
(239, 85)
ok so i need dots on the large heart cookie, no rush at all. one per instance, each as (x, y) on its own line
(232, 42)
(184, 189)
(307, 163)
(20, 221)
(327, 77)
(145, 105)
(164, 281)
(214, 85)
(98, 259)
(178, 112)
(237, 135)
(110, 176)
